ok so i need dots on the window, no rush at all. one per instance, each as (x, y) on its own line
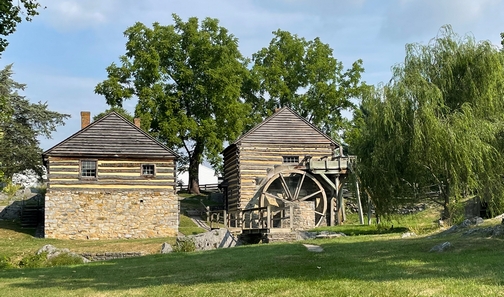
(88, 168)
(148, 169)
(291, 159)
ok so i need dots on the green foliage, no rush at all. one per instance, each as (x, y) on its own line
(23, 124)
(5, 262)
(33, 261)
(64, 259)
(188, 79)
(184, 245)
(12, 14)
(437, 126)
(11, 189)
(305, 76)
(123, 112)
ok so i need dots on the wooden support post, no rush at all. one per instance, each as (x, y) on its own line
(291, 209)
(268, 217)
(208, 214)
(225, 219)
(341, 206)
(332, 210)
(359, 203)
(337, 209)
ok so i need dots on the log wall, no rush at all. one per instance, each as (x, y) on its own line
(112, 174)
(247, 167)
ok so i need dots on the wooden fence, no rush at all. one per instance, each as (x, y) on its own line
(259, 219)
(203, 188)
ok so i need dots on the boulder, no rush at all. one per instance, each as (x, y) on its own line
(214, 239)
(408, 234)
(166, 248)
(329, 234)
(53, 251)
(441, 247)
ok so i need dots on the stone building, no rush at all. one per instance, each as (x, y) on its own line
(110, 180)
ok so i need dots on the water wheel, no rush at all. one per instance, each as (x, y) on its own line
(294, 185)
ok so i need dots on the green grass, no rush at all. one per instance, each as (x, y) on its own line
(377, 265)
(188, 227)
(374, 262)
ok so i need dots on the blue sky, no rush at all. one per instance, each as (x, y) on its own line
(63, 53)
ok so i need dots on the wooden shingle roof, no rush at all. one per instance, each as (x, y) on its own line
(284, 127)
(111, 136)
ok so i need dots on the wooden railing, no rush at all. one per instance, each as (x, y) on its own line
(259, 218)
(204, 188)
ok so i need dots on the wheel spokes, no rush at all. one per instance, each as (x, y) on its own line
(311, 195)
(298, 187)
(285, 186)
(275, 197)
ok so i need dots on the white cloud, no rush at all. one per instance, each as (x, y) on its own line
(68, 15)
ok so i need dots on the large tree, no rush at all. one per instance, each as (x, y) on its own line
(305, 76)
(187, 78)
(21, 124)
(12, 12)
(438, 126)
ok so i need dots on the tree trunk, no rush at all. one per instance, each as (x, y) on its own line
(194, 162)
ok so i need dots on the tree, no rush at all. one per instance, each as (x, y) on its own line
(437, 126)
(22, 123)
(120, 110)
(305, 76)
(11, 14)
(188, 80)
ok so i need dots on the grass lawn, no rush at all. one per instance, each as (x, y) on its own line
(366, 264)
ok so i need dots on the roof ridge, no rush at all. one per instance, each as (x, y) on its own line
(91, 125)
(268, 119)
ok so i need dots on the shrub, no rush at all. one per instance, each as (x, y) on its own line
(184, 245)
(5, 262)
(34, 261)
(64, 259)
(11, 189)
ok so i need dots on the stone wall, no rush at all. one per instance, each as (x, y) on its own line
(304, 215)
(110, 256)
(110, 215)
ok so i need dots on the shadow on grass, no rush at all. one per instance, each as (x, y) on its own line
(16, 226)
(368, 260)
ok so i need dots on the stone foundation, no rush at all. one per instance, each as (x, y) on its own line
(304, 215)
(110, 215)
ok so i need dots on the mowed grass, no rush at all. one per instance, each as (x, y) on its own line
(368, 265)
(376, 261)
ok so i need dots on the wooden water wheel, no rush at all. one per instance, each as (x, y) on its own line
(292, 185)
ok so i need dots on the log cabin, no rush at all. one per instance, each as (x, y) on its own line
(110, 180)
(284, 141)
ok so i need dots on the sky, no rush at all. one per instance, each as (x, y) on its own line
(62, 54)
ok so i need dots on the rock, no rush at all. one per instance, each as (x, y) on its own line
(166, 248)
(408, 234)
(465, 223)
(303, 235)
(53, 251)
(441, 247)
(478, 221)
(452, 229)
(314, 248)
(329, 234)
(215, 239)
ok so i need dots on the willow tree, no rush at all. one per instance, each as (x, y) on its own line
(438, 126)
(305, 76)
(187, 78)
